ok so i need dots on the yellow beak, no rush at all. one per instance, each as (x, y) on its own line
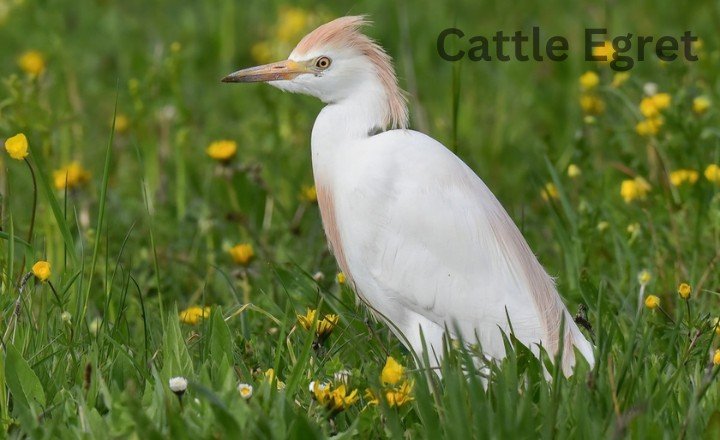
(287, 69)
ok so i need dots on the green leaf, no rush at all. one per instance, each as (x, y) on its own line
(220, 339)
(22, 380)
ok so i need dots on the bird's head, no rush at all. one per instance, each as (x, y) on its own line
(335, 62)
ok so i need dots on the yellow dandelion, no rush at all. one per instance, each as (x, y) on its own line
(32, 62)
(549, 191)
(193, 314)
(589, 80)
(700, 105)
(17, 146)
(327, 325)
(678, 177)
(573, 171)
(71, 176)
(684, 290)
(619, 79)
(592, 104)
(340, 400)
(634, 189)
(712, 173)
(341, 279)
(242, 253)
(393, 372)
(652, 302)
(306, 321)
(649, 127)
(41, 270)
(222, 151)
(122, 123)
(716, 357)
(308, 193)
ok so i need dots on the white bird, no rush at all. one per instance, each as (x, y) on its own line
(422, 240)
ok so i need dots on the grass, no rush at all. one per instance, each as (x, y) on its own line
(131, 90)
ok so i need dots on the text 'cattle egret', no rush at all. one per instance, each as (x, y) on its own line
(423, 241)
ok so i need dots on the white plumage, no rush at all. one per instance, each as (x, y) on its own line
(424, 242)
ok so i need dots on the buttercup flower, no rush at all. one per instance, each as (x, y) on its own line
(684, 290)
(17, 146)
(222, 151)
(270, 378)
(242, 253)
(651, 106)
(592, 104)
(573, 171)
(122, 123)
(634, 189)
(291, 23)
(649, 127)
(716, 357)
(678, 177)
(712, 173)
(306, 321)
(245, 390)
(192, 315)
(326, 326)
(41, 270)
(606, 51)
(652, 302)
(392, 372)
(700, 105)
(71, 176)
(589, 80)
(32, 62)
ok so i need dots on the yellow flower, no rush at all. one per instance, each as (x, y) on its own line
(306, 321)
(32, 62)
(176, 47)
(592, 104)
(549, 191)
(716, 325)
(716, 357)
(371, 397)
(71, 176)
(41, 270)
(340, 400)
(644, 277)
(700, 105)
(573, 171)
(222, 150)
(712, 173)
(17, 146)
(633, 229)
(684, 290)
(606, 51)
(122, 123)
(651, 106)
(341, 278)
(649, 127)
(308, 194)
(619, 79)
(401, 395)
(262, 52)
(652, 302)
(270, 378)
(661, 100)
(193, 314)
(291, 24)
(327, 325)
(589, 80)
(392, 372)
(320, 392)
(678, 177)
(602, 226)
(634, 189)
(242, 253)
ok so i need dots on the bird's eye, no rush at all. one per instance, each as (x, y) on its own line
(322, 63)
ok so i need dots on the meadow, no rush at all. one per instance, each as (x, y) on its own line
(164, 271)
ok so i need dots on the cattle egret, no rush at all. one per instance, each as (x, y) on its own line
(422, 241)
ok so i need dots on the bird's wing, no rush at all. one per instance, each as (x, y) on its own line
(425, 231)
